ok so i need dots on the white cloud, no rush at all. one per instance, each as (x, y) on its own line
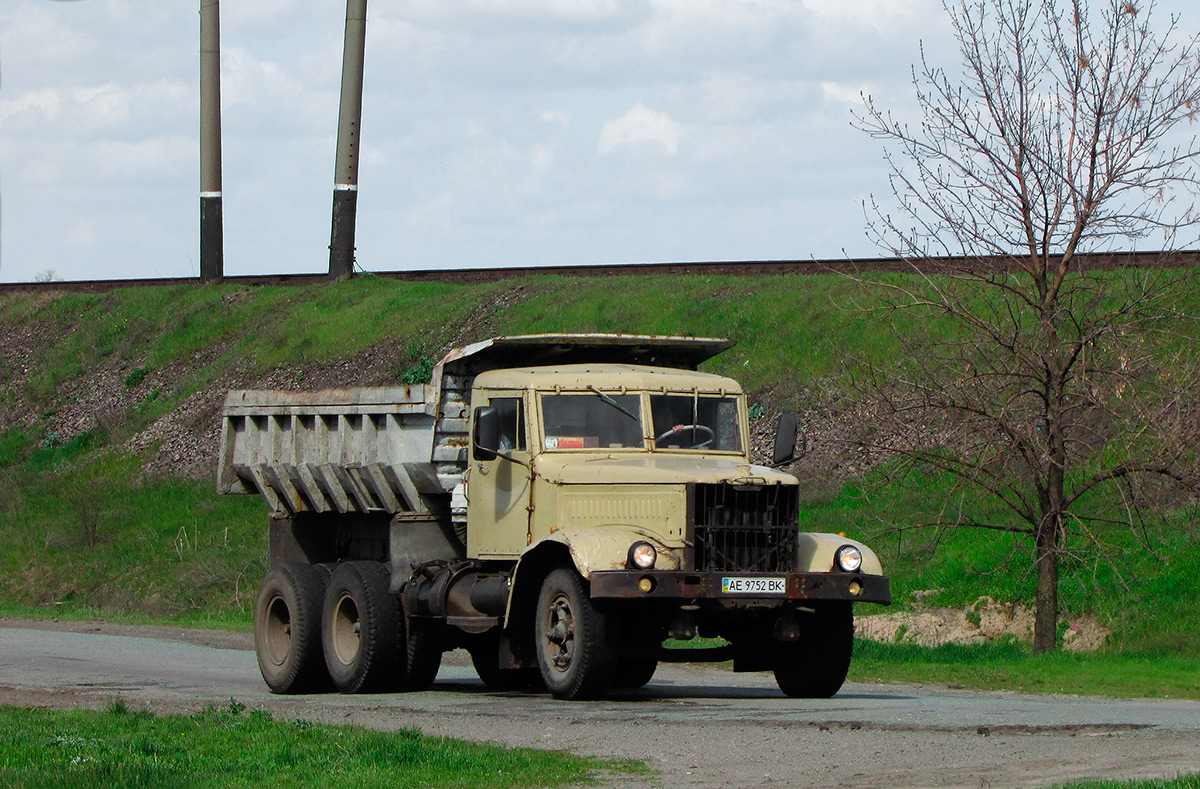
(35, 106)
(271, 17)
(144, 160)
(105, 108)
(881, 15)
(104, 105)
(640, 124)
(264, 93)
(492, 16)
(541, 158)
(840, 93)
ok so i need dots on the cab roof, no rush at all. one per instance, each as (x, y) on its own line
(579, 377)
(546, 350)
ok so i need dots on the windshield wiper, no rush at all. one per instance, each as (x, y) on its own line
(615, 404)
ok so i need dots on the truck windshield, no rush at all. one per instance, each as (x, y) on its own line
(592, 421)
(687, 421)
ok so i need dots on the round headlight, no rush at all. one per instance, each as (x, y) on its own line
(848, 559)
(642, 555)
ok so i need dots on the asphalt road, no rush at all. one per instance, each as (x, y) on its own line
(699, 726)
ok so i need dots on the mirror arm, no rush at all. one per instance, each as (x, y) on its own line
(796, 455)
(500, 454)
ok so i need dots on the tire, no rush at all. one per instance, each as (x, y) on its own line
(486, 659)
(422, 658)
(325, 570)
(634, 672)
(815, 666)
(360, 625)
(287, 629)
(570, 632)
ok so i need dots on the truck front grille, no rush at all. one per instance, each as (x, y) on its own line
(744, 528)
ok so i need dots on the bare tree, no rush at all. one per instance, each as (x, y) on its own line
(1065, 132)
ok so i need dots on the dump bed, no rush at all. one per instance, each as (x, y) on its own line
(338, 450)
(404, 448)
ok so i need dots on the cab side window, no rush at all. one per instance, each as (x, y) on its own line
(511, 411)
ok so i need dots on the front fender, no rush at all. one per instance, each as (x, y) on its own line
(607, 547)
(590, 549)
(816, 553)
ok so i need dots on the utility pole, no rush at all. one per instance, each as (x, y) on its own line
(345, 177)
(212, 234)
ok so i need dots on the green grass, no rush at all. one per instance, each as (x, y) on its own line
(196, 334)
(233, 621)
(233, 747)
(1182, 782)
(1012, 666)
(805, 325)
(89, 537)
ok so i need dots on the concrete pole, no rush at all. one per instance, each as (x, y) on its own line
(212, 234)
(345, 178)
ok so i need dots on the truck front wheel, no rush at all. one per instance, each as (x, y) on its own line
(287, 628)
(360, 625)
(815, 666)
(573, 656)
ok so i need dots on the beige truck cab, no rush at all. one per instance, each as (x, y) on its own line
(572, 509)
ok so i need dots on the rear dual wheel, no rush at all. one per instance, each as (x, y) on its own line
(369, 644)
(360, 627)
(317, 623)
(287, 628)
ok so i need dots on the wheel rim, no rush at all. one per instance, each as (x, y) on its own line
(278, 630)
(559, 643)
(346, 630)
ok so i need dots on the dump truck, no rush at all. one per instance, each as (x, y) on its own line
(569, 509)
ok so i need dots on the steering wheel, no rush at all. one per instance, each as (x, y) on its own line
(681, 428)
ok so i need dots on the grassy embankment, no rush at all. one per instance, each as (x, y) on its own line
(236, 748)
(84, 533)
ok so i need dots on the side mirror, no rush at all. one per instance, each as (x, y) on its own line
(486, 437)
(785, 440)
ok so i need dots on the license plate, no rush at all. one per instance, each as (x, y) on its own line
(754, 586)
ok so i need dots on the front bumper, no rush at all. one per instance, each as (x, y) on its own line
(684, 585)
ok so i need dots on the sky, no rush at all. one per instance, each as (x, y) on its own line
(494, 132)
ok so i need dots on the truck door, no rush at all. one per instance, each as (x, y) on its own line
(498, 489)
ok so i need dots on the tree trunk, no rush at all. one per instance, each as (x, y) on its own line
(1045, 623)
(1049, 534)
